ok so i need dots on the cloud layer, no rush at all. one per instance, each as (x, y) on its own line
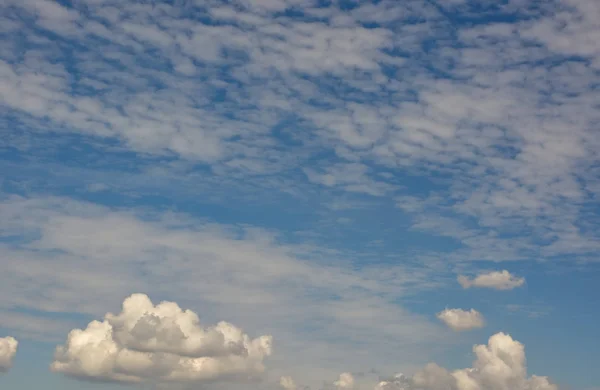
(499, 115)
(160, 343)
(497, 280)
(8, 350)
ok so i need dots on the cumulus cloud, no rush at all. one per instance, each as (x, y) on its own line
(287, 383)
(499, 365)
(163, 343)
(498, 280)
(461, 320)
(345, 381)
(8, 350)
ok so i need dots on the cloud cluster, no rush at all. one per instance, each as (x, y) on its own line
(461, 320)
(8, 350)
(345, 381)
(398, 382)
(497, 280)
(160, 343)
(499, 365)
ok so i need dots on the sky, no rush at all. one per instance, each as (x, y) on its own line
(299, 194)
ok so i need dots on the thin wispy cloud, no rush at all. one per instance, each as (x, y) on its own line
(497, 280)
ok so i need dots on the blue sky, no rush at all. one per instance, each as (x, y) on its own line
(318, 174)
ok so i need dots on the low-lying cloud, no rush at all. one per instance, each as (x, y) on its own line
(160, 343)
(499, 365)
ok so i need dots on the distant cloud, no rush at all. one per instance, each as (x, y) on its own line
(502, 280)
(287, 383)
(8, 350)
(398, 382)
(499, 365)
(345, 381)
(461, 320)
(161, 343)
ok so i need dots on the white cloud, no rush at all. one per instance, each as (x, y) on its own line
(497, 280)
(8, 350)
(161, 343)
(345, 381)
(499, 365)
(461, 320)
(287, 383)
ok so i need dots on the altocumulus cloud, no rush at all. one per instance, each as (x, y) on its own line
(8, 350)
(160, 343)
(461, 320)
(497, 280)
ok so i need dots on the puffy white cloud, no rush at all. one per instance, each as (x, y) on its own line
(345, 381)
(498, 280)
(460, 320)
(287, 383)
(499, 365)
(163, 343)
(8, 350)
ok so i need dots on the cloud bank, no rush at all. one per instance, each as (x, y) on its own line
(8, 350)
(497, 280)
(461, 320)
(161, 343)
(499, 365)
